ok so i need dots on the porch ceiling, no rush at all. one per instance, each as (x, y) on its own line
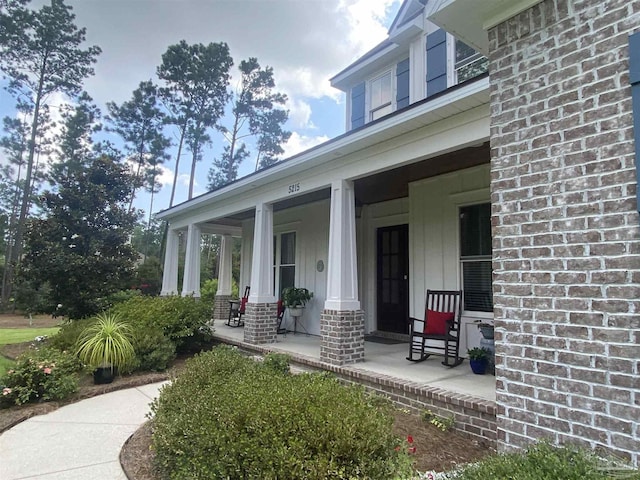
(394, 183)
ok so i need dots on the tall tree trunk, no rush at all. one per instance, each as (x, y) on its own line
(183, 131)
(137, 175)
(16, 251)
(194, 160)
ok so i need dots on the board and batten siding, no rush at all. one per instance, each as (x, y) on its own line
(434, 244)
(311, 224)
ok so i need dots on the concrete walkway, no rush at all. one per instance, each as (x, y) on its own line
(77, 442)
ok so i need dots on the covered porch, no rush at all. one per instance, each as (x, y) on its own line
(367, 222)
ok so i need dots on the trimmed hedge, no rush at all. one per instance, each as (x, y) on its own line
(227, 416)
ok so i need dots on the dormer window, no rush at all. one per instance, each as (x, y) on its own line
(380, 98)
(469, 63)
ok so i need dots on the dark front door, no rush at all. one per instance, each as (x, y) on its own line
(393, 278)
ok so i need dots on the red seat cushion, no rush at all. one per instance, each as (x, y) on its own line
(436, 322)
(243, 304)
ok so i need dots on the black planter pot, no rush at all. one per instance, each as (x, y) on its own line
(103, 375)
(479, 367)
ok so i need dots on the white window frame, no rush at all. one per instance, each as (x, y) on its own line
(475, 258)
(459, 200)
(369, 92)
(452, 65)
(277, 242)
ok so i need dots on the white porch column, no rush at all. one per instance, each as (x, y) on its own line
(260, 325)
(221, 305)
(170, 271)
(191, 281)
(262, 261)
(225, 265)
(342, 321)
(342, 268)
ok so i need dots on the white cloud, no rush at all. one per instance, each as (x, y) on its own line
(166, 176)
(299, 143)
(300, 115)
(306, 42)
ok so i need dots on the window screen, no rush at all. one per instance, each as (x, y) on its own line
(475, 257)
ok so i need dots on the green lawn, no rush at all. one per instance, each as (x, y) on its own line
(19, 335)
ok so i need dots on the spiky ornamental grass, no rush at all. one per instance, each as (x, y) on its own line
(106, 343)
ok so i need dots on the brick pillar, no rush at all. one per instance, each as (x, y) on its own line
(221, 308)
(342, 336)
(261, 323)
(566, 239)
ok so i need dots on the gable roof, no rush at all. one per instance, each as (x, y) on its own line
(408, 11)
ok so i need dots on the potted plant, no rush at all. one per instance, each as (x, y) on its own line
(295, 299)
(478, 358)
(106, 346)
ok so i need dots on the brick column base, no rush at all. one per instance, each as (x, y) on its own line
(221, 308)
(260, 323)
(342, 333)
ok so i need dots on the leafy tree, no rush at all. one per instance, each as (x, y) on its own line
(12, 183)
(40, 54)
(81, 247)
(139, 122)
(146, 239)
(75, 143)
(256, 114)
(196, 78)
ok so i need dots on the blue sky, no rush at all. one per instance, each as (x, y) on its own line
(305, 41)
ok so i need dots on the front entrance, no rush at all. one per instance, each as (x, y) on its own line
(393, 279)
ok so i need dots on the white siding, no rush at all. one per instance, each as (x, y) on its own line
(311, 224)
(433, 238)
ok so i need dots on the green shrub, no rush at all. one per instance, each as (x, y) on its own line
(226, 416)
(209, 289)
(154, 351)
(40, 375)
(67, 337)
(542, 462)
(182, 319)
(119, 297)
(277, 361)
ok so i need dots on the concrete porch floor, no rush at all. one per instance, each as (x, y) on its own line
(380, 359)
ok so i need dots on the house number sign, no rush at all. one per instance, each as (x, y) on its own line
(294, 187)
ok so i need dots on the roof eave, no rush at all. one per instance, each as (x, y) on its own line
(353, 140)
(469, 20)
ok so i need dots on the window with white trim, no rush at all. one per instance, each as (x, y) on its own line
(469, 63)
(284, 261)
(380, 96)
(475, 257)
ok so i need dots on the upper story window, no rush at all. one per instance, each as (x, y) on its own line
(475, 257)
(380, 99)
(469, 63)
